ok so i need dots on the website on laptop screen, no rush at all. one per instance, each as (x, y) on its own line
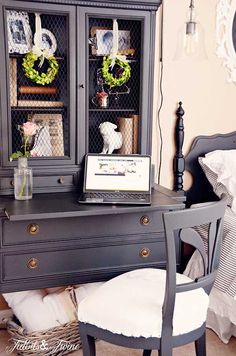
(118, 173)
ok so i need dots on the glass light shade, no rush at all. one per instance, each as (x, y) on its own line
(191, 42)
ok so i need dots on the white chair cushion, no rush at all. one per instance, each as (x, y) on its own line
(131, 305)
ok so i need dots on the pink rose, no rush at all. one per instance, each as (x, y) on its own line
(29, 128)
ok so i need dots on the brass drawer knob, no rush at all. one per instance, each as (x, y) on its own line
(33, 229)
(144, 252)
(33, 263)
(12, 182)
(145, 220)
(61, 180)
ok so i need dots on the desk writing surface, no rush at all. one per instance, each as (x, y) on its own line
(62, 205)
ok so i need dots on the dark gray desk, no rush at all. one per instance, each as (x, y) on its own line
(52, 240)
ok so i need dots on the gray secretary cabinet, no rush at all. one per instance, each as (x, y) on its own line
(76, 32)
(52, 240)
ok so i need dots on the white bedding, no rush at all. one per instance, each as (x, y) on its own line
(222, 307)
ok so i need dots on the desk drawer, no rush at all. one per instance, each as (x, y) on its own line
(27, 232)
(53, 263)
(7, 183)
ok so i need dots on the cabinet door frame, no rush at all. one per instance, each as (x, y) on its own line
(146, 66)
(5, 113)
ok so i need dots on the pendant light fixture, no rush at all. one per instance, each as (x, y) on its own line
(191, 42)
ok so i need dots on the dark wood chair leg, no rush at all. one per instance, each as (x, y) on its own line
(166, 348)
(88, 343)
(200, 345)
(147, 352)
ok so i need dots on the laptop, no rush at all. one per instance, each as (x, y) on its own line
(116, 179)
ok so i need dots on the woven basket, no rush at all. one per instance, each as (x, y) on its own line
(60, 340)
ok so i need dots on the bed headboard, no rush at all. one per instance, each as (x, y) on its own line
(201, 190)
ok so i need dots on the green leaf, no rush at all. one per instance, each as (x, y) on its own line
(27, 154)
(16, 155)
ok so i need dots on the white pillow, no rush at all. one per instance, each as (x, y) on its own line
(61, 306)
(223, 163)
(83, 290)
(218, 188)
(30, 310)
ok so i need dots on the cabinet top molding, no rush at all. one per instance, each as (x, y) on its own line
(134, 4)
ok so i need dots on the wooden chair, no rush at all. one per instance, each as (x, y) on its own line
(154, 309)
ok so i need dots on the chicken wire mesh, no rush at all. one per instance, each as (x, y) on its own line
(119, 106)
(45, 105)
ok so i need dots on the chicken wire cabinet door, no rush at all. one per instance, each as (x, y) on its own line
(118, 93)
(38, 110)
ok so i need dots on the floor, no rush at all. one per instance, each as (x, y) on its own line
(214, 348)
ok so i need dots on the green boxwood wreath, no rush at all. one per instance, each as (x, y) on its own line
(40, 78)
(107, 75)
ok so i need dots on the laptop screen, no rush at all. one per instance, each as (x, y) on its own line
(117, 173)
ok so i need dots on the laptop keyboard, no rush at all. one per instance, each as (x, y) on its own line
(116, 196)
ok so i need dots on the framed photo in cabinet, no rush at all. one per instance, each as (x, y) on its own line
(49, 41)
(50, 141)
(19, 32)
(93, 38)
(104, 39)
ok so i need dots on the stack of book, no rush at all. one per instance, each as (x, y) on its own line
(40, 103)
(13, 81)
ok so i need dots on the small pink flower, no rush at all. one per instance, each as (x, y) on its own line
(29, 128)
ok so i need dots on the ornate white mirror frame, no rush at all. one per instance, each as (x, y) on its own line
(225, 28)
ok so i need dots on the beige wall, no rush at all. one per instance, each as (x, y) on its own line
(208, 99)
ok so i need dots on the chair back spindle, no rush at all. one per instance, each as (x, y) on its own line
(184, 224)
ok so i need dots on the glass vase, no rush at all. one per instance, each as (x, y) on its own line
(23, 182)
